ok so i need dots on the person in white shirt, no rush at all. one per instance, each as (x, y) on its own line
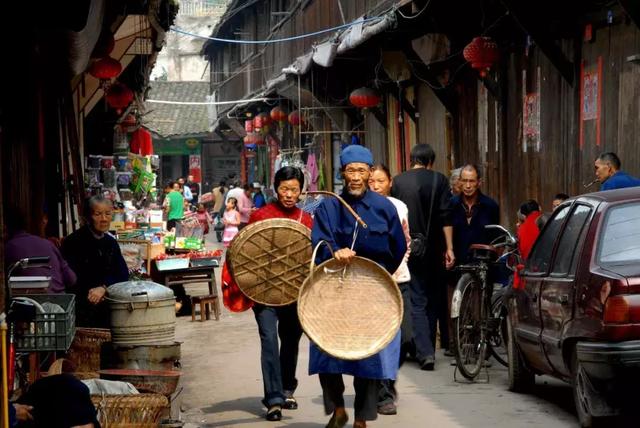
(380, 182)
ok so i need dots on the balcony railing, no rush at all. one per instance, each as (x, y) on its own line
(202, 7)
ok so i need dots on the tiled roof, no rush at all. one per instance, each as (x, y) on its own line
(169, 120)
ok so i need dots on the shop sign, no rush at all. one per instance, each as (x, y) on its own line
(177, 146)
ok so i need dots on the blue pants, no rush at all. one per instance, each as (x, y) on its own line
(278, 364)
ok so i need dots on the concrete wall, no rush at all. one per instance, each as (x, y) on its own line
(180, 58)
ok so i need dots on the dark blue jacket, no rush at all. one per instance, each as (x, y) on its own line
(485, 211)
(620, 180)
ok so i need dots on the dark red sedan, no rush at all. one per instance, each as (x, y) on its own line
(576, 313)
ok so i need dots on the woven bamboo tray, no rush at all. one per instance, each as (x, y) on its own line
(351, 312)
(130, 411)
(86, 349)
(270, 260)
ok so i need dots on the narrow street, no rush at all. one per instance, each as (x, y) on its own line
(223, 387)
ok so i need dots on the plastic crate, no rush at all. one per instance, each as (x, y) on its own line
(49, 331)
(206, 261)
(172, 264)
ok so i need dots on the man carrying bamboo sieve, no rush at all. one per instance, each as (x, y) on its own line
(383, 242)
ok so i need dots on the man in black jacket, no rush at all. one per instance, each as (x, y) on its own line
(427, 195)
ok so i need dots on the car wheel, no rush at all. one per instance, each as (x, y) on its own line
(586, 398)
(521, 379)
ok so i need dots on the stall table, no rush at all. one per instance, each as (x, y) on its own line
(193, 275)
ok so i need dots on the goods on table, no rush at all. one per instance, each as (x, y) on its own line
(350, 311)
(270, 260)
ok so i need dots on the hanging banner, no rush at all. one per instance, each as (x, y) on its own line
(590, 98)
(176, 146)
(531, 134)
(195, 168)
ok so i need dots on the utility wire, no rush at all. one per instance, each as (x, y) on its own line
(209, 103)
(286, 39)
(417, 14)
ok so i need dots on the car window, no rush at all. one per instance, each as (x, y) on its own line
(620, 236)
(571, 241)
(540, 257)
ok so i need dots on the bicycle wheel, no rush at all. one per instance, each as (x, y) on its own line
(498, 331)
(469, 347)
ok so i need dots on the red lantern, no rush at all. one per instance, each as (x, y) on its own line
(278, 115)
(248, 125)
(141, 142)
(119, 96)
(261, 121)
(482, 53)
(364, 98)
(105, 68)
(294, 118)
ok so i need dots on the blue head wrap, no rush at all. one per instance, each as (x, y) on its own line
(355, 153)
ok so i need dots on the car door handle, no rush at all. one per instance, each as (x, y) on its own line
(564, 299)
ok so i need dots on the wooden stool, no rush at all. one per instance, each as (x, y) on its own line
(207, 303)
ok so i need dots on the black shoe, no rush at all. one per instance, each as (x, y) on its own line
(274, 414)
(428, 363)
(290, 403)
(388, 409)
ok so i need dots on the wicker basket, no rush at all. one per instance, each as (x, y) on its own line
(270, 260)
(351, 312)
(86, 348)
(130, 411)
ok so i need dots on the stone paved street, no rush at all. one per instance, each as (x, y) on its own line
(223, 388)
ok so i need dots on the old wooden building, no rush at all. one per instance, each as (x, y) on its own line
(562, 89)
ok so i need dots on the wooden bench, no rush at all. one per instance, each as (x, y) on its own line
(208, 304)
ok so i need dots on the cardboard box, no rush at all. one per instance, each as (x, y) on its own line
(116, 225)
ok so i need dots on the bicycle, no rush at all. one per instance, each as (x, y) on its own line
(476, 308)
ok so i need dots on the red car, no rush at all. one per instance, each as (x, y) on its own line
(576, 312)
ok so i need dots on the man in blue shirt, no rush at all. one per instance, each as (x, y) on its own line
(383, 242)
(608, 173)
(472, 211)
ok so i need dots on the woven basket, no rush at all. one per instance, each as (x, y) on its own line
(86, 348)
(270, 260)
(130, 411)
(350, 311)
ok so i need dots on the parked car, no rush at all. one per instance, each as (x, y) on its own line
(576, 312)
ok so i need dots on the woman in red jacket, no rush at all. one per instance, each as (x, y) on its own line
(528, 230)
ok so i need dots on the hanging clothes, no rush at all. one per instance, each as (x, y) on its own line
(312, 168)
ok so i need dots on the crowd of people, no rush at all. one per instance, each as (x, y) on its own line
(421, 225)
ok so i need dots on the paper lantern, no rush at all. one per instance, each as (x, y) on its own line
(261, 121)
(129, 123)
(294, 118)
(105, 68)
(278, 115)
(119, 96)
(248, 126)
(364, 98)
(481, 53)
(141, 142)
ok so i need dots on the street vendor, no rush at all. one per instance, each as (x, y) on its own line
(383, 241)
(95, 257)
(279, 365)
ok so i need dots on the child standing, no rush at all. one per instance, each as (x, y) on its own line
(231, 220)
(203, 218)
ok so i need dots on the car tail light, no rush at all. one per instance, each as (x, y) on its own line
(623, 309)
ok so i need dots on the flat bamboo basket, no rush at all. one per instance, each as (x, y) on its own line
(270, 260)
(130, 411)
(350, 311)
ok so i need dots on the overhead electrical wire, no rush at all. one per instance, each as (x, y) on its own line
(286, 39)
(417, 14)
(209, 103)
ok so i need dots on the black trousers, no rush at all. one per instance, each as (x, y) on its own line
(366, 402)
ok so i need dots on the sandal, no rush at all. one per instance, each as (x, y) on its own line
(274, 413)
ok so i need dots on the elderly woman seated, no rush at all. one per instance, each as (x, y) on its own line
(95, 257)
